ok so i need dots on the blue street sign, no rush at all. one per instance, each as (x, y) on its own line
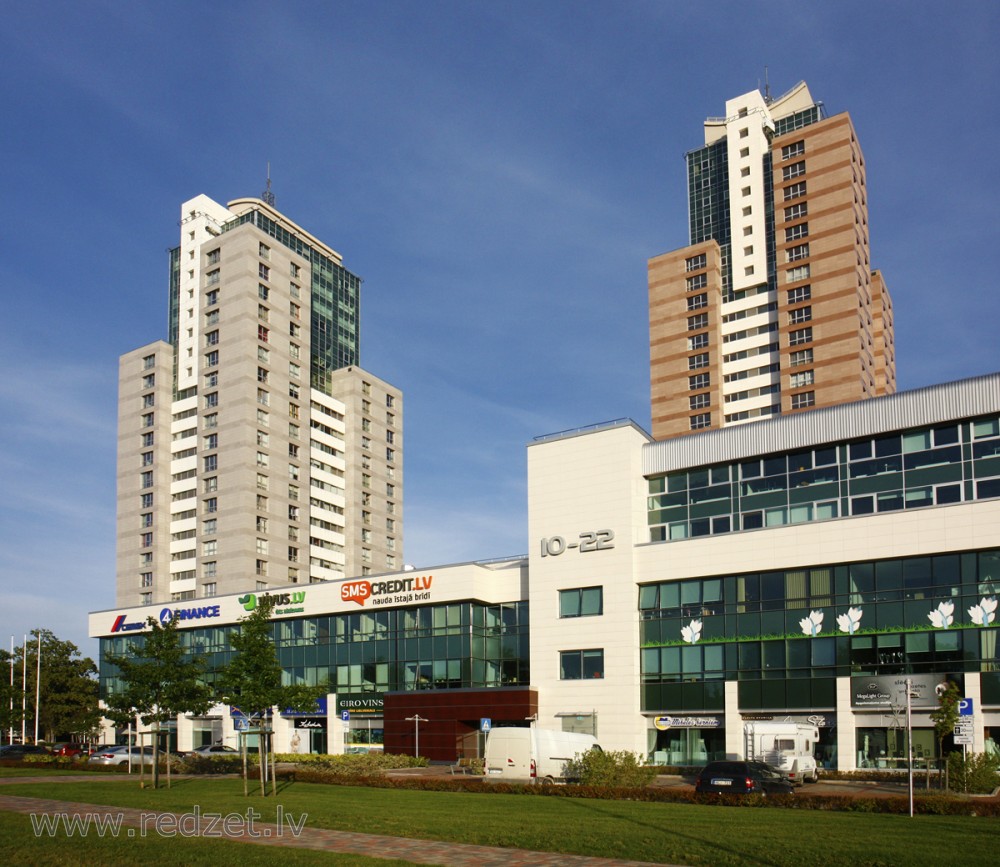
(345, 715)
(485, 724)
(965, 707)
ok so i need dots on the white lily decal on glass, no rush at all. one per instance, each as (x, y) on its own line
(850, 621)
(813, 624)
(985, 612)
(941, 617)
(692, 632)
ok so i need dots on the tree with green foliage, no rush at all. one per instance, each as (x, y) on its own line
(614, 768)
(157, 679)
(67, 690)
(252, 679)
(945, 718)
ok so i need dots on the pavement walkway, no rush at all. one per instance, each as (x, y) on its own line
(136, 823)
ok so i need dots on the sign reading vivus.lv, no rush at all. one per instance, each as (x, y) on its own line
(592, 540)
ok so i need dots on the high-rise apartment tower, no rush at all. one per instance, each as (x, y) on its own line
(774, 306)
(253, 452)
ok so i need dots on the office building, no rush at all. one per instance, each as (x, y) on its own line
(774, 306)
(239, 435)
(675, 591)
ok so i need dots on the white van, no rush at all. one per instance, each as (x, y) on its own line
(788, 746)
(533, 755)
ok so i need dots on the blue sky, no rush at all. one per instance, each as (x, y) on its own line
(498, 173)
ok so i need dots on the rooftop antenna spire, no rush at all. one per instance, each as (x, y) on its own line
(267, 195)
(767, 88)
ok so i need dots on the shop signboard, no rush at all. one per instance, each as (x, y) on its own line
(662, 723)
(360, 706)
(884, 691)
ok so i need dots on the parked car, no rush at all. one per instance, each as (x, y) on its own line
(123, 755)
(71, 750)
(213, 750)
(742, 778)
(19, 751)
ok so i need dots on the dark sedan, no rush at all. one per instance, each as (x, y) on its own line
(19, 751)
(742, 778)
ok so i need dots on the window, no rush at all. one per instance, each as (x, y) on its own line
(263, 438)
(147, 519)
(744, 132)
(698, 341)
(803, 335)
(793, 171)
(210, 548)
(699, 281)
(212, 420)
(145, 598)
(263, 333)
(800, 356)
(212, 298)
(797, 212)
(212, 318)
(208, 589)
(211, 463)
(210, 485)
(145, 539)
(800, 401)
(212, 277)
(581, 664)
(293, 450)
(802, 293)
(264, 251)
(146, 579)
(262, 570)
(262, 459)
(147, 440)
(261, 482)
(696, 302)
(293, 350)
(703, 420)
(261, 374)
(212, 358)
(212, 399)
(261, 503)
(263, 271)
(390, 455)
(149, 380)
(212, 338)
(696, 322)
(210, 442)
(211, 505)
(262, 546)
(294, 329)
(798, 252)
(699, 401)
(263, 397)
(696, 361)
(263, 313)
(801, 314)
(147, 479)
(798, 380)
(799, 272)
(294, 310)
(262, 417)
(209, 527)
(148, 361)
(795, 191)
(795, 149)
(794, 233)
(147, 459)
(146, 501)
(581, 602)
(294, 370)
(700, 380)
(148, 400)
(695, 262)
(212, 379)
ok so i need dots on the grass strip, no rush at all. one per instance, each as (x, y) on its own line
(675, 833)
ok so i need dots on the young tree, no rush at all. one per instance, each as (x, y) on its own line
(251, 680)
(945, 717)
(157, 681)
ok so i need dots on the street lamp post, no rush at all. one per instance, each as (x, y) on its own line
(909, 739)
(416, 719)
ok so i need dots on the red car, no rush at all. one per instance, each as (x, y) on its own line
(72, 750)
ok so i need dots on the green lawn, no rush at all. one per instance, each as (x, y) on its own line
(677, 833)
(19, 845)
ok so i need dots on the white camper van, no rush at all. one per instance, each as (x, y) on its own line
(533, 755)
(788, 746)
